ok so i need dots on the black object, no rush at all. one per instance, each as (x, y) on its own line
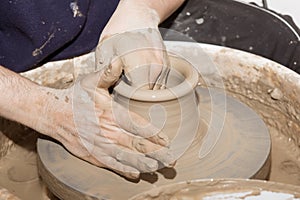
(241, 26)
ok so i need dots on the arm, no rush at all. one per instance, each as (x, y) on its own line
(138, 41)
(18, 97)
(33, 105)
(138, 14)
(164, 8)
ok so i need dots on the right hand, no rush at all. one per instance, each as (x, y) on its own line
(131, 40)
(95, 128)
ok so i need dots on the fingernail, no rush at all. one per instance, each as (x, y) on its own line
(134, 175)
(164, 140)
(152, 166)
(140, 146)
(170, 161)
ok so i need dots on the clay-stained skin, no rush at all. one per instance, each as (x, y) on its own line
(187, 166)
(143, 47)
(6, 195)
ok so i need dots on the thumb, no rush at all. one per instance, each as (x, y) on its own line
(110, 74)
(104, 78)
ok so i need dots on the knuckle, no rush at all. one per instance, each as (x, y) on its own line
(139, 144)
(120, 156)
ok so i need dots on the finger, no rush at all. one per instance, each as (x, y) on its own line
(137, 125)
(164, 155)
(138, 144)
(146, 67)
(155, 71)
(136, 67)
(159, 72)
(104, 78)
(161, 82)
(157, 152)
(111, 163)
(111, 74)
(136, 160)
(125, 139)
(104, 52)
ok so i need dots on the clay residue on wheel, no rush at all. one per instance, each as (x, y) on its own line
(279, 115)
(274, 94)
(221, 189)
(19, 174)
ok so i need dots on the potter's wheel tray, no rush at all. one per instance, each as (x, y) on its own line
(241, 150)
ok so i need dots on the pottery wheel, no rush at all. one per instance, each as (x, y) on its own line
(241, 150)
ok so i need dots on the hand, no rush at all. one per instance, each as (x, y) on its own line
(142, 55)
(94, 128)
(132, 40)
(5, 194)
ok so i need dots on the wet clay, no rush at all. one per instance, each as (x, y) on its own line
(222, 189)
(249, 78)
(285, 156)
(271, 90)
(173, 110)
(56, 165)
(281, 114)
(19, 173)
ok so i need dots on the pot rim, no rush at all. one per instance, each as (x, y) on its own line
(176, 92)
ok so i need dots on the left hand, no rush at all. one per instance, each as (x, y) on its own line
(131, 39)
(140, 53)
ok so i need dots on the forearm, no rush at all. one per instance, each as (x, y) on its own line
(16, 96)
(139, 14)
(164, 8)
(25, 102)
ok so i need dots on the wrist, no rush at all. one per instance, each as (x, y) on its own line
(131, 15)
(56, 117)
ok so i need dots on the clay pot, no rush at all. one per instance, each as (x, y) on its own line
(173, 110)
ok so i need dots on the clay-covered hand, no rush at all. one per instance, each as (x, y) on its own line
(132, 40)
(6, 195)
(95, 128)
(142, 55)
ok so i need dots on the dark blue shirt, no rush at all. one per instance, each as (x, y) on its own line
(35, 31)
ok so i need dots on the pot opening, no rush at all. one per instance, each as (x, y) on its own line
(182, 79)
